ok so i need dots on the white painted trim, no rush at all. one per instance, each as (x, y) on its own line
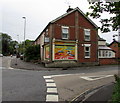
(53, 54)
(87, 45)
(76, 52)
(65, 27)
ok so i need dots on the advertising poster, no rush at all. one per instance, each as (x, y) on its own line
(47, 52)
(64, 52)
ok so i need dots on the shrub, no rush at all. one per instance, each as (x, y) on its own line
(32, 52)
(116, 91)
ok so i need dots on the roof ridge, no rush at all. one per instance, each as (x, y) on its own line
(77, 8)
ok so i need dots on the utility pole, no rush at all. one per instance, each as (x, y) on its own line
(24, 36)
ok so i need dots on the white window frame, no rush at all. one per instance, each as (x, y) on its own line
(85, 34)
(110, 54)
(87, 52)
(65, 27)
(100, 53)
(107, 53)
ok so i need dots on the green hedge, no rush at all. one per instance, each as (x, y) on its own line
(32, 53)
(116, 91)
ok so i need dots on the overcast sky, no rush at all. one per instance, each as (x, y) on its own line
(38, 14)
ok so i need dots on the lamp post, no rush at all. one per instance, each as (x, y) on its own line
(24, 33)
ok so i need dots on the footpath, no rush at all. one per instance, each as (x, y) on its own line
(101, 95)
(20, 64)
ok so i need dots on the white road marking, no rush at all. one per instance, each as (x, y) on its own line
(51, 90)
(66, 75)
(52, 98)
(10, 68)
(52, 95)
(47, 77)
(91, 78)
(50, 84)
(49, 80)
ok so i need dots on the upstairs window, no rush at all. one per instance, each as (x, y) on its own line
(87, 34)
(65, 32)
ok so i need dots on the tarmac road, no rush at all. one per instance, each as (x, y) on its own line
(28, 85)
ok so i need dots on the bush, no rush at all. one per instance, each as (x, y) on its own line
(32, 52)
(116, 91)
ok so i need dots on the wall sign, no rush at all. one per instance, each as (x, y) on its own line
(64, 52)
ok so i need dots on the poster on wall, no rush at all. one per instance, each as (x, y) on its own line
(65, 52)
(47, 52)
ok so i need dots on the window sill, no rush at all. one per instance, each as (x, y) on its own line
(87, 40)
(65, 38)
(87, 57)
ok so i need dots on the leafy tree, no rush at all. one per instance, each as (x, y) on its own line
(7, 46)
(28, 42)
(12, 47)
(32, 52)
(5, 41)
(112, 8)
(21, 48)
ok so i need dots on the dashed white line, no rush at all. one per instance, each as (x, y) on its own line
(52, 94)
(49, 80)
(47, 77)
(50, 84)
(52, 98)
(51, 90)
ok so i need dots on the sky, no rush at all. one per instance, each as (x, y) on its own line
(38, 14)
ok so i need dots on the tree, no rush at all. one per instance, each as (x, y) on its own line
(7, 46)
(32, 52)
(12, 47)
(5, 41)
(21, 48)
(112, 8)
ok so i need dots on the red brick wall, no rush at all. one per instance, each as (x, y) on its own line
(114, 47)
(84, 23)
(106, 61)
(69, 20)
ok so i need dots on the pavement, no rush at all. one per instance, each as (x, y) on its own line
(102, 94)
(20, 64)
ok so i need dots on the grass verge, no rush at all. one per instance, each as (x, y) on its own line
(116, 91)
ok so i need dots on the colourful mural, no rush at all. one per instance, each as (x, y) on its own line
(47, 52)
(64, 52)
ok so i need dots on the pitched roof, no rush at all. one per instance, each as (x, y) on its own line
(114, 41)
(60, 17)
(104, 48)
(76, 9)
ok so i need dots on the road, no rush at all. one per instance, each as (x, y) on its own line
(57, 85)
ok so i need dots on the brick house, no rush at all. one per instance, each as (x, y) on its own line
(69, 40)
(105, 54)
(115, 46)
